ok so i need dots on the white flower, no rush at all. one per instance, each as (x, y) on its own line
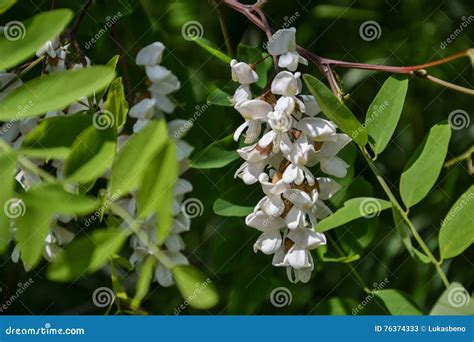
(295, 255)
(243, 73)
(308, 105)
(270, 240)
(253, 111)
(143, 109)
(254, 165)
(283, 44)
(287, 84)
(329, 162)
(150, 55)
(164, 81)
(303, 204)
(272, 204)
(162, 102)
(317, 129)
(48, 48)
(163, 275)
(300, 154)
(242, 93)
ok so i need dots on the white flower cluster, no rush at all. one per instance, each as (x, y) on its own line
(293, 140)
(13, 132)
(163, 83)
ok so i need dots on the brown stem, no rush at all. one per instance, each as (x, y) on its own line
(325, 65)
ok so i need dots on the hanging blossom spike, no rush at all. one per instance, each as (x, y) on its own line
(163, 83)
(286, 139)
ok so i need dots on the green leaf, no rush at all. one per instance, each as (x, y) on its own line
(384, 112)
(5, 5)
(454, 301)
(215, 155)
(53, 137)
(456, 233)
(116, 102)
(336, 111)
(219, 98)
(53, 91)
(425, 165)
(53, 198)
(212, 49)
(156, 193)
(145, 277)
(40, 205)
(112, 64)
(224, 208)
(32, 228)
(403, 231)
(353, 209)
(198, 291)
(398, 302)
(86, 254)
(7, 181)
(24, 41)
(91, 155)
(134, 157)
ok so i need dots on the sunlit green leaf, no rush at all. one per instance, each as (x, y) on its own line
(53, 137)
(398, 302)
(7, 181)
(224, 208)
(22, 40)
(145, 276)
(215, 155)
(336, 110)
(425, 165)
(212, 49)
(454, 301)
(195, 288)
(353, 209)
(219, 98)
(457, 231)
(384, 112)
(86, 254)
(91, 155)
(116, 102)
(53, 91)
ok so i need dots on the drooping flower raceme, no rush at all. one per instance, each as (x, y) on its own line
(163, 83)
(286, 138)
